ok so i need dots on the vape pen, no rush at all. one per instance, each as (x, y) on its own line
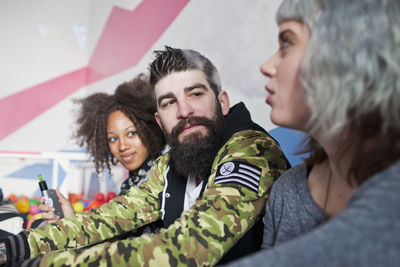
(50, 197)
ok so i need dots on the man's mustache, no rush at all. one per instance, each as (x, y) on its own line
(195, 120)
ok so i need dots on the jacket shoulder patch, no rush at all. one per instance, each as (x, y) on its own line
(238, 172)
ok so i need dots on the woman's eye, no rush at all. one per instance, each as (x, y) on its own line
(284, 41)
(285, 44)
(112, 139)
(132, 133)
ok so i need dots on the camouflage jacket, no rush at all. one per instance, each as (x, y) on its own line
(200, 237)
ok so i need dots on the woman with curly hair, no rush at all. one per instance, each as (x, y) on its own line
(118, 128)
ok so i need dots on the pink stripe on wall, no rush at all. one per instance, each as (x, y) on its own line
(22, 107)
(19, 152)
(128, 35)
(126, 38)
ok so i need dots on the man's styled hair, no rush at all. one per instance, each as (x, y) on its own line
(351, 76)
(133, 98)
(176, 60)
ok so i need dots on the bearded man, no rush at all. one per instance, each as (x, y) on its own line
(207, 193)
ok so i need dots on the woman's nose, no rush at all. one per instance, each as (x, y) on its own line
(268, 68)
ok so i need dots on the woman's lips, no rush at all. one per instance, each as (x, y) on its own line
(271, 93)
(268, 100)
(127, 158)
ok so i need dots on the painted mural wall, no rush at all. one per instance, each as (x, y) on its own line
(55, 51)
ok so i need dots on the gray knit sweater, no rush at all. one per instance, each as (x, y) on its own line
(367, 233)
(290, 211)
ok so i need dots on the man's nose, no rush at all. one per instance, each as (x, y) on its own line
(185, 110)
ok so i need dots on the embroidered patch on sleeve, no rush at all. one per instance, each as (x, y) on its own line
(238, 172)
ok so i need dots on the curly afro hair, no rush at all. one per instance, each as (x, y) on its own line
(133, 98)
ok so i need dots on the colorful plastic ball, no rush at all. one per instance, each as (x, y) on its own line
(22, 197)
(94, 204)
(72, 197)
(34, 209)
(100, 197)
(78, 206)
(33, 201)
(28, 217)
(13, 198)
(86, 203)
(111, 195)
(22, 206)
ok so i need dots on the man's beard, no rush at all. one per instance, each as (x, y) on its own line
(195, 154)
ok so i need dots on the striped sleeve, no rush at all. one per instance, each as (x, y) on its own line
(17, 249)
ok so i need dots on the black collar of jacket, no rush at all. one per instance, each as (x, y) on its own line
(238, 119)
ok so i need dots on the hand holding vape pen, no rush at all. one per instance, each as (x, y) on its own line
(50, 197)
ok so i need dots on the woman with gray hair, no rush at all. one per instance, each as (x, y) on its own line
(336, 76)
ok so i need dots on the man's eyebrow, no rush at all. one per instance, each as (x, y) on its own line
(195, 86)
(186, 89)
(162, 97)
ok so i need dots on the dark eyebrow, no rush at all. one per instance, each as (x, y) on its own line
(186, 89)
(127, 128)
(195, 86)
(130, 126)
(161, 98)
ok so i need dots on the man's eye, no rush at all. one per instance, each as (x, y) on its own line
(196, 93)
(132, 133)
(112, 139)
(168, 103)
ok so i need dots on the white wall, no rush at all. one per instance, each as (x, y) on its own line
(45, 39)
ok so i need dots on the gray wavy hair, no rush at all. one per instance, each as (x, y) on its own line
(351, 69)
(304, 11)
(352, 63)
